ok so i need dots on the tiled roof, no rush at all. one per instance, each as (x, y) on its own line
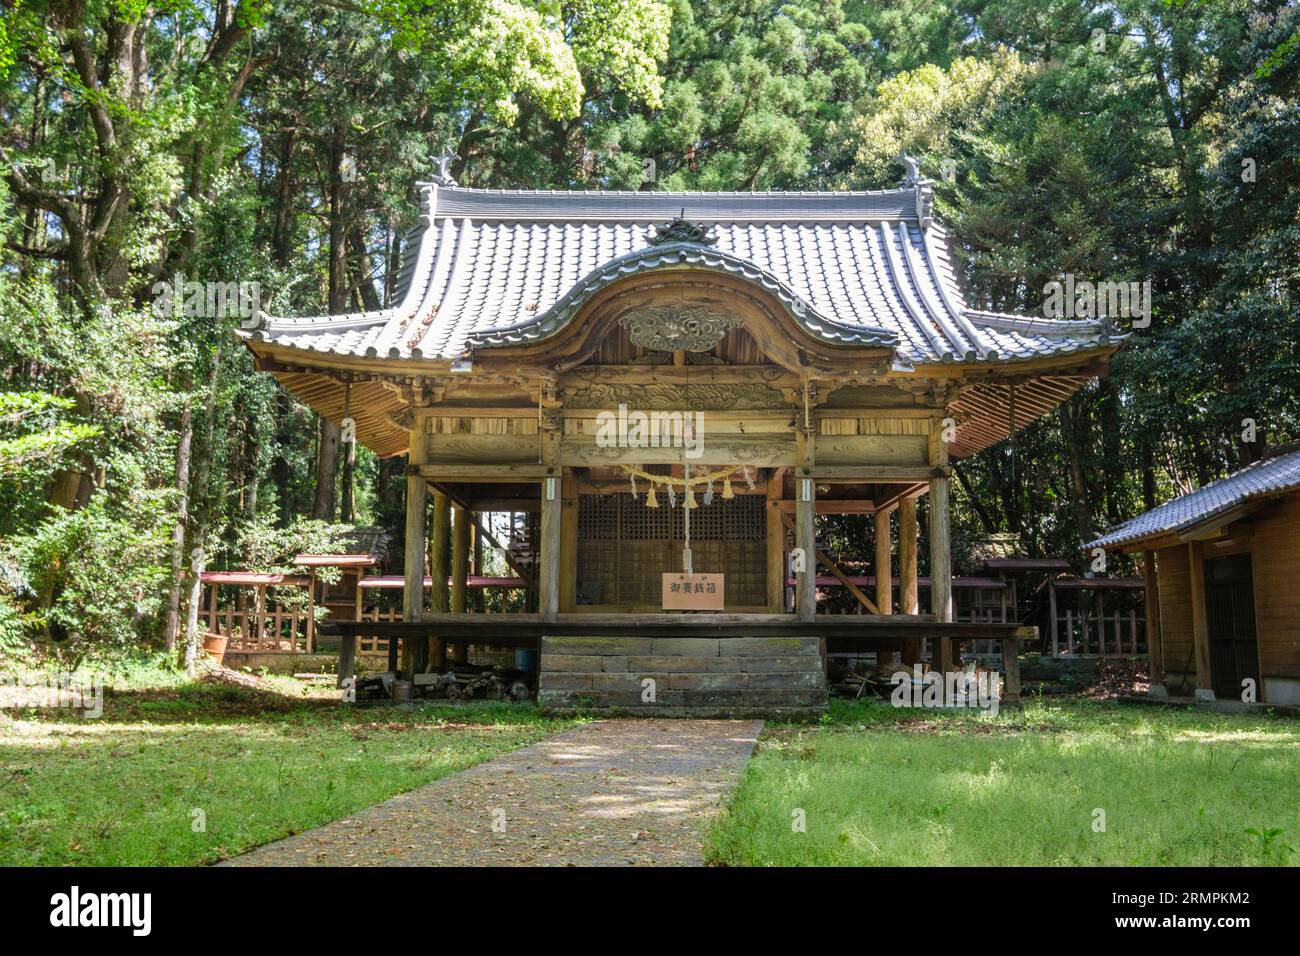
(494, 267)
(1278, 472)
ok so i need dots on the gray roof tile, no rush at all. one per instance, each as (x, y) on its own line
(491, 267)
(1277, 473)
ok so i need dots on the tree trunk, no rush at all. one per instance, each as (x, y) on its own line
(178, 531)
(327, 460)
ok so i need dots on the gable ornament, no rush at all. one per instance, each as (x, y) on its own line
(665, 329)
(681, 229)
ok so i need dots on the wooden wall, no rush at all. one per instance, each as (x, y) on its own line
(1275, 560)
(1272, 537)
(1176, 616)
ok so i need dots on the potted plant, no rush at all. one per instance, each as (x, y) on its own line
(215, 645)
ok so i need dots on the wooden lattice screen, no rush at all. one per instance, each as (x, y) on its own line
(624, 547)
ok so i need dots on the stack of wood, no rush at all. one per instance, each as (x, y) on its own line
(473, 682)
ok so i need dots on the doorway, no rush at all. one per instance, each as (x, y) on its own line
(1230, 615)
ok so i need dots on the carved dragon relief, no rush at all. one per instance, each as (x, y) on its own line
(665, 329)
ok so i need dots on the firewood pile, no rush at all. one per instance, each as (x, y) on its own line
(460, 682)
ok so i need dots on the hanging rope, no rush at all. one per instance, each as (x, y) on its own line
(687, 483)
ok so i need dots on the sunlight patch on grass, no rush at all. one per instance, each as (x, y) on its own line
(1020, 789)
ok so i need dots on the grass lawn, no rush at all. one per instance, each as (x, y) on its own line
(123, 789)
(880, 786)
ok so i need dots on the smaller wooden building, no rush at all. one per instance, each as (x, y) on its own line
(1222, 566)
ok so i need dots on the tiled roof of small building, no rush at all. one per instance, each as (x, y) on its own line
(1277, 472)
(495, 267)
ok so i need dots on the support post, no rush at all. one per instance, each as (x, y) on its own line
(548, 571)
(884, 565)
(347, 658)
(1155, 641)
(459, 573)
(884, 576)
(775, 545)
(569, 544)
(1200, 621)
(439, 595)
(1010, 672)
(908, 600)
(413, 571)
(805, 504)
(943, 657)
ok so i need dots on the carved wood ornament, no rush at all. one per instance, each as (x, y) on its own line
(666, 329)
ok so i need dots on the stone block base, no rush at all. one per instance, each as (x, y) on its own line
(695, 677)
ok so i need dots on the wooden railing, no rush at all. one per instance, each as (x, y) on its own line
(1116, 633)
(274, 631)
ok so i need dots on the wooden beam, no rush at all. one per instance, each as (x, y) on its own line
(569, 544)
(877, 473)
(834, 569)
(775, 543)
(529, 580)
(548, 568)
(459, 560)
(836, 506)
(805, 537)
(884, 565)
(413, 569)
(439, 552)
(943, 656)
(908, 601)
(1155, 643)
(1200, 619)
(487, 474)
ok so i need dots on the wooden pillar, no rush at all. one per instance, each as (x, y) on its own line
(1155, 641)
(884, 565)
(548, 564)
(775, 545)
(1010, 672)
(884, 577)
(908, 600)
(459, 559)
(942, 656)
(569, 543)
(459, 573)
(1200, 621)
(439, 596)
(805, 534)
(417, 491)
(1052, 623)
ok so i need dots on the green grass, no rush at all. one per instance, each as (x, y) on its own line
(122, 789)
(880, 786)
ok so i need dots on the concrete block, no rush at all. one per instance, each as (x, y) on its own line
(623, 646)
(552, 681)
(771, 646)
(581, 663)
(708, 681)
(757, 665)
(683, 647)
(663, 664)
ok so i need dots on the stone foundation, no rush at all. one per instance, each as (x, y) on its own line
(697, 677)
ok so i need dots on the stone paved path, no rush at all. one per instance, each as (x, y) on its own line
(609, 793)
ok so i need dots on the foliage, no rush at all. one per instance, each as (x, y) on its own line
(102, 570)
(281, 144)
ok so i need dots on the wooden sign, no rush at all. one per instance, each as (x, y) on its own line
(693, 592)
